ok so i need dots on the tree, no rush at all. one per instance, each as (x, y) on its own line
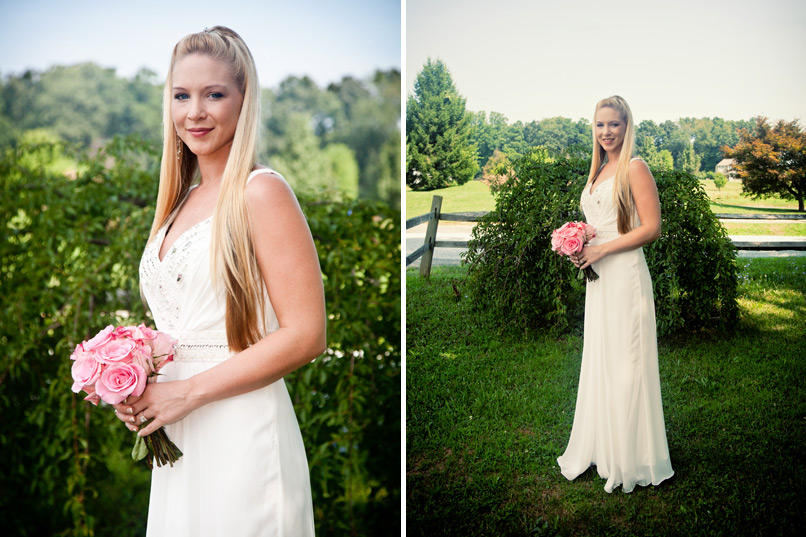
(772, 161)
(369, 123)
(83, 103)
(487, 134)
(438, 129)
(719, 180)
(690, 162)
(492, 171)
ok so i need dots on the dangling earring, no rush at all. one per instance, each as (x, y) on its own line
(179, 150)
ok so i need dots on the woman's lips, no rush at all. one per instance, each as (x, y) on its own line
(198, 133)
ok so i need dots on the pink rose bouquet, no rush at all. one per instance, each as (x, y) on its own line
(570, 238)
(117, 363)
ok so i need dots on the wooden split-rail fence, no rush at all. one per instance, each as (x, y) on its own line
(426, 251)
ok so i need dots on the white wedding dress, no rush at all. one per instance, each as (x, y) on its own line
(244, 471)
(618, 421)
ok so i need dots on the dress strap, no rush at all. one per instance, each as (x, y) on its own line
(259, 171)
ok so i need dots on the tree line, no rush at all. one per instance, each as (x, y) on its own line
(343, 139)
(689, 144)
(447, 144)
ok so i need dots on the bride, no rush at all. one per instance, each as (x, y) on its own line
(618, 421)
(231, 272)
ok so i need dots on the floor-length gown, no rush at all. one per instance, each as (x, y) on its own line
(618, 421)
(244, 471)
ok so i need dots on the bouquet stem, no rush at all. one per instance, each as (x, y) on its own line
(156, 446)
(590, 274)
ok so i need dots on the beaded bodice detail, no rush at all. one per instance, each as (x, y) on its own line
(167, 277)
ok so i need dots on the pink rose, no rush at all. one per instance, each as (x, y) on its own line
(571, 246)
(102, 337)
(142, 357)
(568, 230)
(119, 381)
(85, 370)
(590, 231)
(79, 352)
(122, 332)
(147, 332)
(115, 351)
(92, 397)
(556, 241)
(163, 345)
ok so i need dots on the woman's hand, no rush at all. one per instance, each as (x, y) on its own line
(165, 402)
(588, 255)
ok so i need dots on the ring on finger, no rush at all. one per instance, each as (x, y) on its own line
(143, 419)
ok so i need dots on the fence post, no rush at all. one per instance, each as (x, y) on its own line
(430, 237)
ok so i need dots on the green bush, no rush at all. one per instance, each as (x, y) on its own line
(348, 402)
(693, 264)
(68, 257)
(512, 268)
(69, 253)
(514, 272)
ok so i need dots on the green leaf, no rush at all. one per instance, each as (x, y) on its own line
(139, 451)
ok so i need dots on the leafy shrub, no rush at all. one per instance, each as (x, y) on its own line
(69, 254)
(514, 272)
(512, 268)
(348, 402)
(693, 264)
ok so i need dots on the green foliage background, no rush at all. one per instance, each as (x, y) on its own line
(69, 253)
(514, 272)
(342, 141)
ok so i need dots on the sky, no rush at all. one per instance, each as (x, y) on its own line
(323, 39)
(529, 60)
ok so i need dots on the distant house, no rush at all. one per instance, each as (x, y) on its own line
(725, 167)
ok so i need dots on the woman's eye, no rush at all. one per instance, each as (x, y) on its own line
(217, 95)
(181, 96)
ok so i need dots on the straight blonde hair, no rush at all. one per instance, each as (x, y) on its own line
(232, 256)
(622, 195)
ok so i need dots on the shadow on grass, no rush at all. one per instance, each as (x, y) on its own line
(750, 209)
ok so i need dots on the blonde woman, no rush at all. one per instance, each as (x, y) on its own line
(231, 272)
(618, 421)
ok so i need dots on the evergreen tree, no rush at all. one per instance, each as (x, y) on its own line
(438, 148)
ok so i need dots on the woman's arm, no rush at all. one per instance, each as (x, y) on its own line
(289, 265)
(645, 196)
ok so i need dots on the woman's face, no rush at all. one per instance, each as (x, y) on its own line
(205, 105)
(610, 128)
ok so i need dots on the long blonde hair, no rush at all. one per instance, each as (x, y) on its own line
(622, 195)
(232, 256)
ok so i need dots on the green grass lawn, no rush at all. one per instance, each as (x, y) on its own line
(730, 200)
(471, 196)
(488, 413)
(786, 229)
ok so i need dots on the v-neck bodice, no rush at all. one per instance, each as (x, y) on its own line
(180, 289)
